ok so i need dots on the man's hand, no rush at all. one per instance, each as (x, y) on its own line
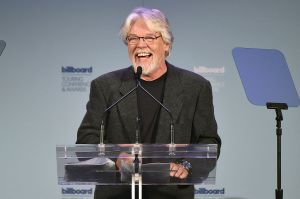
(178, 171)
(125, 158)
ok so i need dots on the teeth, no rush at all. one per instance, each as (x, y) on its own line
(143, 54)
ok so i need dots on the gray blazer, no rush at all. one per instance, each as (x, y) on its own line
(187, 95)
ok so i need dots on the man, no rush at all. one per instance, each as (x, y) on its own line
(188, 96)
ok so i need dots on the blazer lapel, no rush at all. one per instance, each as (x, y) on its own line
(173, 100)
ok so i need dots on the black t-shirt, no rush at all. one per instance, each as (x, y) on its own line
(149, 109)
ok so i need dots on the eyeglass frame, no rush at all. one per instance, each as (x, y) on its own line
(151, 37)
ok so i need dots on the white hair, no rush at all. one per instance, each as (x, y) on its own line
(154, 19)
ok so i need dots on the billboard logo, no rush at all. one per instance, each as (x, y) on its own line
(72, 191)
(75, 79)
(206, 193)
(72, 69)
(214, 74)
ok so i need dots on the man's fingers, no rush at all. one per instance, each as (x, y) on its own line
(125, 158)
(178, 171)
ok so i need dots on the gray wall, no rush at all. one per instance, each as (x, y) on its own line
(36, 114)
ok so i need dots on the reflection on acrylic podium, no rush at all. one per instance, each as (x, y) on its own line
(141, 164)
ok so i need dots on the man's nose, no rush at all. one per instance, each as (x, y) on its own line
(141, 42)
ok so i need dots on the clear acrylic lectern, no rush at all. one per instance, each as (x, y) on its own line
(141, 164)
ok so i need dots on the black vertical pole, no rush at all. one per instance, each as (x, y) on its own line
(278, 107)
(279, 118)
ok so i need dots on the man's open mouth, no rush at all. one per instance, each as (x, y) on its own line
(143, 55)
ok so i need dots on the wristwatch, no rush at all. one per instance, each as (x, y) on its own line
(187, 165)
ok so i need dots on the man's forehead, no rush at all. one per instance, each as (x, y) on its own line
(144, 25)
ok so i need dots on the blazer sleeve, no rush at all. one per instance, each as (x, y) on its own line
(89, 130)
(204, 128)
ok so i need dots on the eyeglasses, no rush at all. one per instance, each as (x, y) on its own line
(133, 40)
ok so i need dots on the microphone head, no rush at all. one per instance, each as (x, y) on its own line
(139, 71)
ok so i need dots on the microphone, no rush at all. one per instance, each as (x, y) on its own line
(139, 71)
(102, 127)
(138, 74)
(138, 85)
(2, 46)
(172, 134)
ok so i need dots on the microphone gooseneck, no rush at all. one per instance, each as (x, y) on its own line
(138, 74)
(172, 134)
(102, 126)
(138, 85)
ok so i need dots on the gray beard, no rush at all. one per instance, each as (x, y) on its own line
(146, 70)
